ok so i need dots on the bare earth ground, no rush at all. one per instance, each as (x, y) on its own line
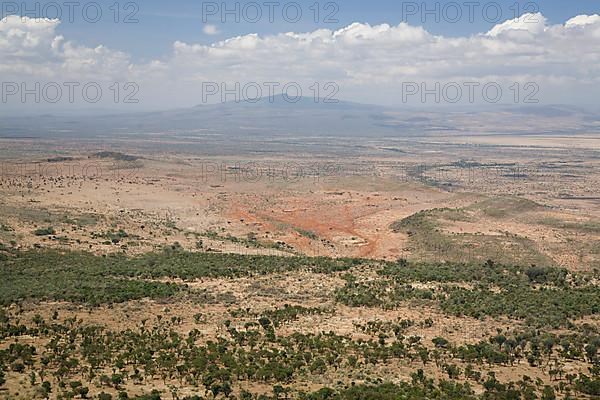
(252, 205)
(328, 207)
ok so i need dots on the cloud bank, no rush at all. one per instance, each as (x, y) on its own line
(368, 63)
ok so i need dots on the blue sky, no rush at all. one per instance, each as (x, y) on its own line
(162, 22)
(373, 52)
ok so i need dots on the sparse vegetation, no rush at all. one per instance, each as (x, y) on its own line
(431, 241)
(83, 277)
(45, 231)
(107, 302)
(309, 234)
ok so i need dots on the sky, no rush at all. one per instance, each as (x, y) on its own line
(167, 54)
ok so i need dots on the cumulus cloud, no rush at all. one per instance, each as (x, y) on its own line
(27, 41)
(30, 48)
(582, 20)
(531, 23)
(210, 29)
(368, 62)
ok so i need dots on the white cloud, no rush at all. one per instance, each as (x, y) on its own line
(30, 48)
(369, 63)
(582, 20)
(532, 23)
(27, 37)
(210, 29)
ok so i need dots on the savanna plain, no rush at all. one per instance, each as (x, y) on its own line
(194, 267)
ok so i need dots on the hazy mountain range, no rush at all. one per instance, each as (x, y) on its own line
(310, 118)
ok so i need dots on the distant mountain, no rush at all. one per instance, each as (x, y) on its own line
(307, 118)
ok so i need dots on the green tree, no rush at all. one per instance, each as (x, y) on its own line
(47, 388)
(104, 396)
(548, 393)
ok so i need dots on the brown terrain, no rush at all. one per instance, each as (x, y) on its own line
(522, 205)
(344, 211)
